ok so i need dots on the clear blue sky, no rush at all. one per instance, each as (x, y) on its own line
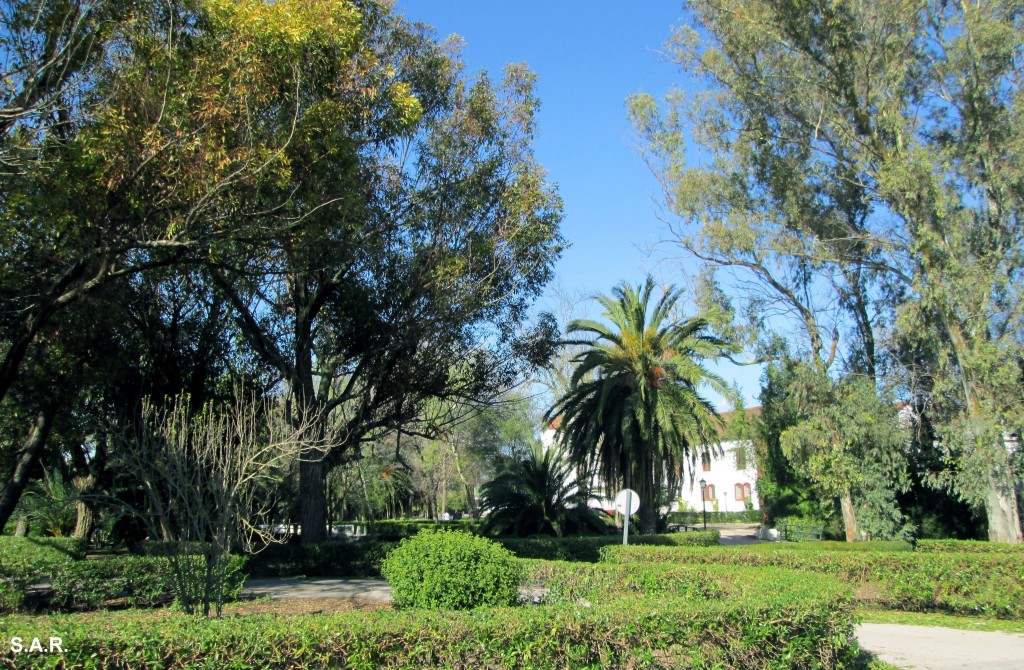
(588, 57)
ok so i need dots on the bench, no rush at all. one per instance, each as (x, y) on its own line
(682, 527)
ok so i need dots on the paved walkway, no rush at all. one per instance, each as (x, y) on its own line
(933, 648)
(298, 587)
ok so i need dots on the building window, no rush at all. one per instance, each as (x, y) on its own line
(709, 492)
(738, 491)
(741, 458)
(705, 461)
(746, 492)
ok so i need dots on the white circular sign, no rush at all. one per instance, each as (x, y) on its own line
(627, 497)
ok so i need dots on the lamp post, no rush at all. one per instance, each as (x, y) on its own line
(704, 501)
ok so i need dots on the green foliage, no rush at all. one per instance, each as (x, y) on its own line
(968, 547)
(851, 444)
(765, 618)
(832, 545)
(396, 529)
(27, 560)
(858, 181)
(49, 503)
(452, 570)
(541, 494)
(135, 581)
(989, 584)
(641, 418)
(588, 549)
(320, 559)
(87, 584)
(696, 517)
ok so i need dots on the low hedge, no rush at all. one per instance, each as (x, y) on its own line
(28, 560)
(969, 547)
(771, 619)
(694, 517)
(833, 545)
(397, 529)
(987, 584)
(588, 548)
(361, 558)
(133, 581)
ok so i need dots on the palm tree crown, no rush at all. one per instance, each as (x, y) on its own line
(633, 408)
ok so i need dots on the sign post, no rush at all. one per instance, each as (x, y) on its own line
(627, 502)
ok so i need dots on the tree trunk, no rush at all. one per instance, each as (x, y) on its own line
(313, 503)
(25, 461)
(83, 510)
(849, 516)
(648, 518)
(1003, 512)
(470, 496)
(21, 528)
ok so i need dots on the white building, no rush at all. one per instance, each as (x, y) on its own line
(730, 479)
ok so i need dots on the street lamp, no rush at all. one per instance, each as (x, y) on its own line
(703, 501)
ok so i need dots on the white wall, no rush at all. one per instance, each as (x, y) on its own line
(722, 474)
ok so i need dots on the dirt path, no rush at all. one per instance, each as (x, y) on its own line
(933, 648)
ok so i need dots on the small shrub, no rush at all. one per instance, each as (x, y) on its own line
(452, 570)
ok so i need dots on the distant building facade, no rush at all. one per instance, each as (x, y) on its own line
(730, 478)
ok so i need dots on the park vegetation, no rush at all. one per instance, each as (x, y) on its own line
(268, 274)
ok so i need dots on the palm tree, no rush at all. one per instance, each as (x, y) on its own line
(633, 408)
(539, 495)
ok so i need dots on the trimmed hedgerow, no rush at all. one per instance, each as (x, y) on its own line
(765, 619)
(694, 517)
(588, 548)
(28, 560)
(833, 545)
(969, 547)
(397, 529)
(361, 558)
(989, 584)
(452, 570)
(131, 580)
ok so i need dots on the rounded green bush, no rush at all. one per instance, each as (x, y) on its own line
(452, 570)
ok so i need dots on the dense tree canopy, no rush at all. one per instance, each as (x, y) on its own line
(863, 157)
(354, 214)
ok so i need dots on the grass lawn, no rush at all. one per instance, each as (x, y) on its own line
(942, 620)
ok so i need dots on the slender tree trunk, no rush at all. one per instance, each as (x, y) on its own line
(21, 528)
(24, 462)
(470, 496)
(366, 497)
(849, 516)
